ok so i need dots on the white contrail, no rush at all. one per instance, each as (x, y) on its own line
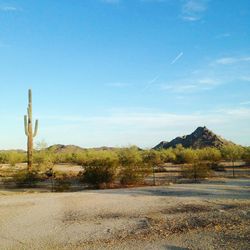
(177, 58)
(151, 82)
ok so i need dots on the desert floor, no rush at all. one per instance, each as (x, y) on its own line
(211, 215)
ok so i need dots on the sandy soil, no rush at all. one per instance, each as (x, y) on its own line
(212, 215)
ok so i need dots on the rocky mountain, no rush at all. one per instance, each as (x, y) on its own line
(200, 138)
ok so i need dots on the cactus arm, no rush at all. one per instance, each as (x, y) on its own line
(25, 125)
(36, 129)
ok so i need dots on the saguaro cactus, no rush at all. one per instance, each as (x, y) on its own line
(28, 128)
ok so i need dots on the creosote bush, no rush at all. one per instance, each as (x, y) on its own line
(100, 168)
(167, 155)
(12, 157)
(199, 170)
(246, 155)
(43, 160)
(103, 168)
(133, 168)
(132, 175)
(126, 166)
(232, 153)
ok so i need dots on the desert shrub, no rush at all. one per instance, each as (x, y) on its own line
(79, 157)
(131, 175)
(196, 171)
(209, 154)
(43, 157)
(61, 157)
(167, 155)
(133, 168)
(232, 153)
(44, 160)
(82, 158)
(12, 157)
(152, 157)
(3, 158)
(189, 155)
(129, 156)
(178, 151)
(98, 175)
(246, 155)
(100, 169)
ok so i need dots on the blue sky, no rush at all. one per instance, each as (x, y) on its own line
(123, 72)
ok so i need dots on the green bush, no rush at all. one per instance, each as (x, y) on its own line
(3, 158)
(196, 171)
(101, 168)
(133, 168)
(84, 157)
(131, 175)
(43, 159)
(12, 157)
(246, 155)
(189, 155)
(167, 155)
(152, 157)
(178, 151)
(212, 155)
(99, 175)
(232, 153)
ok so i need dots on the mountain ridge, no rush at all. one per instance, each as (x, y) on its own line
(202, 137)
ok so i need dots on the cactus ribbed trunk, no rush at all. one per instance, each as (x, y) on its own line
(29, 131)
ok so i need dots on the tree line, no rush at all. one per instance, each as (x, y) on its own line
(177, 155)
(127, 165)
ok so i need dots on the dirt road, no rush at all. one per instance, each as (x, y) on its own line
(213, 215)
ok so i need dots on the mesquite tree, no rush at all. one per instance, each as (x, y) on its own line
(232, 153)
(28, 128)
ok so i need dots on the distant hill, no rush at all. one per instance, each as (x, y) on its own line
(60, 148)
(200, 138)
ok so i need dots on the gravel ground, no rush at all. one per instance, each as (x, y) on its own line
(211, 215)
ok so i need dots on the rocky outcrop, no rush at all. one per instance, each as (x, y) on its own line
(200, 138)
